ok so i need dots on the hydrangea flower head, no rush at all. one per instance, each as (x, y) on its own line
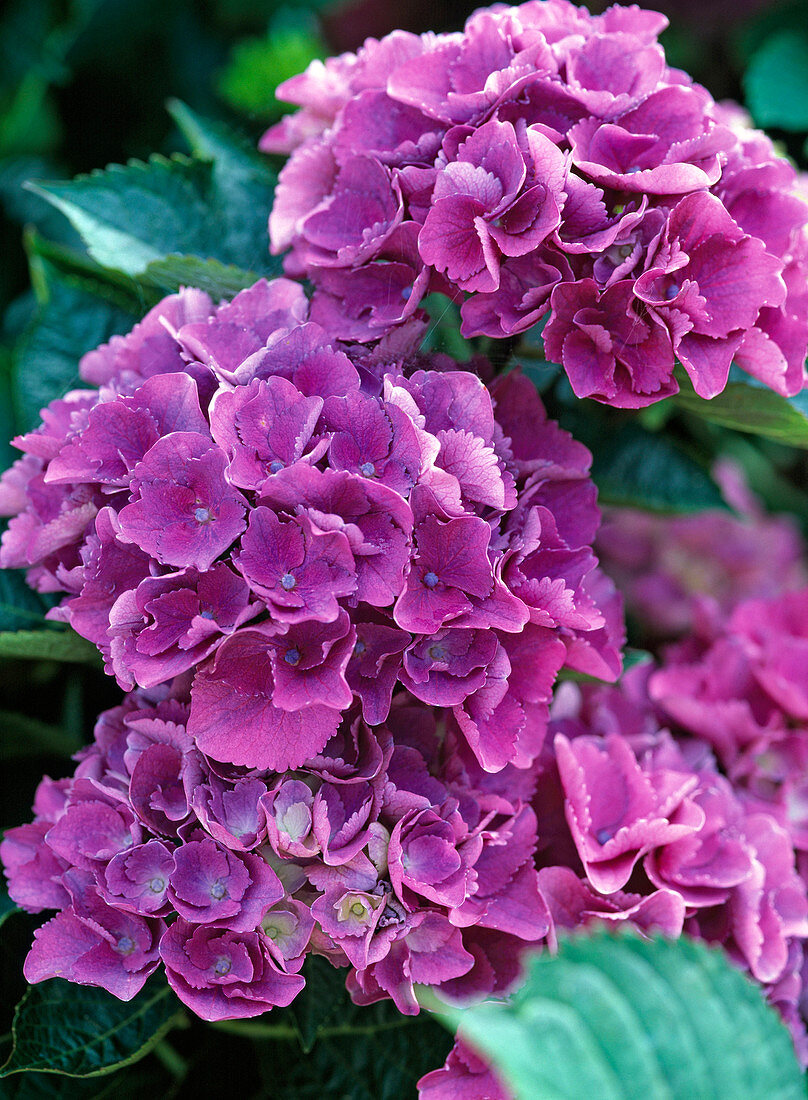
(547, 163)
(391, 852)
(667, 567)
(303, 524)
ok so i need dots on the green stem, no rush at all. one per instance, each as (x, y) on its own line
(286, 1031)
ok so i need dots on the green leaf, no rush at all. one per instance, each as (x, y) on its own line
(624, 1018)
(147, 1078)
(70, 322)
(749, 406)
(215, 278)
(244, 186)
(81, 1031)
(776, 81)
(365, 1053)
(640, 469)
(20, 607)
(321, 1002)
(213, 206)
(54, 265)
(49, 645)
(378, 1060)
(129, 216)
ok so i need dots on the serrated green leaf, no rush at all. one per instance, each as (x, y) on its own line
(130, 215)
(244, 187)
(147, 1078)
(749, 406)
(70, 322)
(640, 469)
(622, 1017)
(213, 206)
(776, 81)
(81, 1031)
(53, 262)
(215, 278)
(49, 645)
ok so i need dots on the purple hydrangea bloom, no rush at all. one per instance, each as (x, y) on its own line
(622, 794)
(667, 566)
(300, 524)
(391, 852)
(547, 163)
(738, 682)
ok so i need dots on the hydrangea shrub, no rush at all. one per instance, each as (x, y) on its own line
(374, 707)
(303, 524)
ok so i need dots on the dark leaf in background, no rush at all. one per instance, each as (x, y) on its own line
(69, 323)
(81, 1031)
(635, 468)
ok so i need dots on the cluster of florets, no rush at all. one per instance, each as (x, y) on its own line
(655, 832)
(698, 828)
(668, 567)
(547, 164)
(740, 684)
(303, 528)
(391, 853)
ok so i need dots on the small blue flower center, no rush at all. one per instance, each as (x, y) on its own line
(633, 170)
(275, 465)
(625, 250)
(292, 656)
(367, 469)
(222, 967)
(157, 885)
(203, 515)
(288, 582)
(359, 648)
(218, 890)
(125, 945)
(603, 835)
(206, 614)
(672, 291)
(430, 579)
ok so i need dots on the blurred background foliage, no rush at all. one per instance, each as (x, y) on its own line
(84, 83)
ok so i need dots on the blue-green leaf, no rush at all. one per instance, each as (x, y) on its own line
(618, 1017)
